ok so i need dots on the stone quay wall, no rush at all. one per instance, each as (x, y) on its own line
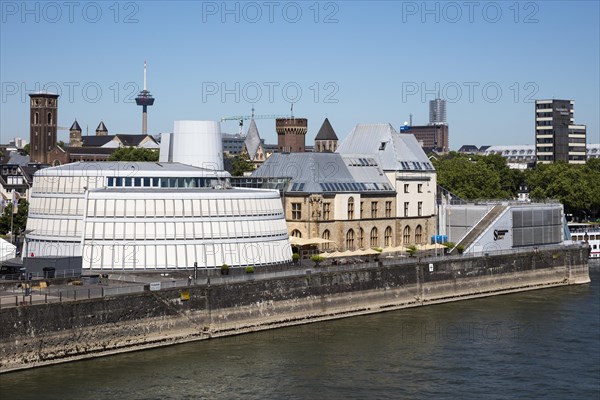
(44, 334)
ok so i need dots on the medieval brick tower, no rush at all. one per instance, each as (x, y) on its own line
(291, 134)
(42, 125)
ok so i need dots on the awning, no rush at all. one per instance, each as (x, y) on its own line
(430, 246)
(397, 249)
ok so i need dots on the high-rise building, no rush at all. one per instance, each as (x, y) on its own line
(557, 137)
(42, 125)
(437, 112)
(430, 137)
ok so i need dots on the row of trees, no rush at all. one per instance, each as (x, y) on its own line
(474, 177)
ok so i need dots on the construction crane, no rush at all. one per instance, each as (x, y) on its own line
(242, 118)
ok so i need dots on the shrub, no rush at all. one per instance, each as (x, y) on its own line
(250, 270)
(460, 248)
(412, 250)
(449, 245)
(295, 257)
(224, 269)
(317, 258)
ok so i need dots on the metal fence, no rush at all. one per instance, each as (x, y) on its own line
(24, 296)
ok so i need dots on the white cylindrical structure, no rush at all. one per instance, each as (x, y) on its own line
(198, 143)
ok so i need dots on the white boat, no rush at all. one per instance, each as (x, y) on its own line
(586, 232)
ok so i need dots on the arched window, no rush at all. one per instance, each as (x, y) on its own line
(49, 118)
(36, 118)
(296, 233)
(406, 235)
(351, 208)
(350, 239)
(387, 236)
(361, 238)
(325, 236)
(374, 237)
(418, 234)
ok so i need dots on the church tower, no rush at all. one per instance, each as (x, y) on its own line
(42, 125)
(101, 130)
(326, 140)
(75, 135)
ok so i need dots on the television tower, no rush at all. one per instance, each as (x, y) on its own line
(144, 99)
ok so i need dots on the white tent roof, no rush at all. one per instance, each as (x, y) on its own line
(7, 250)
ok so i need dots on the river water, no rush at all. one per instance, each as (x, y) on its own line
(543, 344)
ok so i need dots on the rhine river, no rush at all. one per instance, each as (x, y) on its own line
(543, 344)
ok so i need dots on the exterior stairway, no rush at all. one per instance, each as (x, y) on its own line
(480, 227)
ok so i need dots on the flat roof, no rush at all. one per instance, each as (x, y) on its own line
(128, 168)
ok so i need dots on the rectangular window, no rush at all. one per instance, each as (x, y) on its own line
(388, 209)
(362, 209)
(326, 211)
(406, 209)
(373, 209)
(420, 188)
(419, 208)
(406, 188)
(296, 211)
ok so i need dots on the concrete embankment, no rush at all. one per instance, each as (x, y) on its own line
(58, 332)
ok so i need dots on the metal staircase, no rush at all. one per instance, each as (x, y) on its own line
(480, 227)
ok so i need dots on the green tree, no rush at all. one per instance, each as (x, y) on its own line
(19, 220)
(25, 149)
(241, 165)
(133, 154)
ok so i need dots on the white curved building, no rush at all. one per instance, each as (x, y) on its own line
(137, 216)
(196, 143)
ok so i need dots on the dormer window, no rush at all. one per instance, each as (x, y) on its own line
(382, 146)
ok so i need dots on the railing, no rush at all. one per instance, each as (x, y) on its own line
(24, 296)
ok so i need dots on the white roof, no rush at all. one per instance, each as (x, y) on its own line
(7, 250)
(393, 151)
(129, 168)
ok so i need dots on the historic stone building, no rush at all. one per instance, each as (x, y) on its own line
(378, 190)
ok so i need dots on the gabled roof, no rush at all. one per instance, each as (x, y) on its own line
(393, 151)
(101, 127)
(75, 127)
(325, 173)
(133, 140)
(468, 148)
(326, 132)
(252, 141)
(18, 158)
(127, 140)
(96, 141)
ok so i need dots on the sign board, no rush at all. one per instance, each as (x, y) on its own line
(430, 267)
(155, 286)
(184, 295)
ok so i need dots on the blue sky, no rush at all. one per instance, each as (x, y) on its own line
(353, 61)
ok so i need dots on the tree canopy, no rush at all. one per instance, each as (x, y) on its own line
(474, 177)
(133, 154)
(19, 220)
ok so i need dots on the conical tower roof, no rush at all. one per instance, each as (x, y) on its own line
(101, 127)
(326, 132)
(75, 127)
(252, 141)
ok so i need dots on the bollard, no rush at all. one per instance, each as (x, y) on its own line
(74, 294)
(30, 300)
(89, 293)
(16, 300)
(60, 296)
(46, 298)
